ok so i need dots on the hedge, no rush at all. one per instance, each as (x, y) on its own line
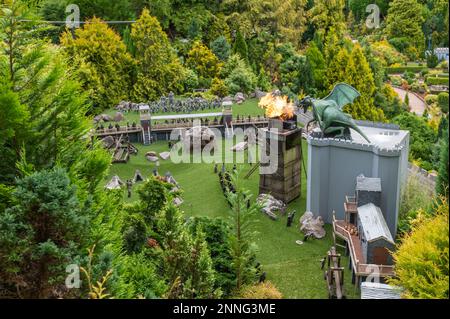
(437, 81)
(403, 69)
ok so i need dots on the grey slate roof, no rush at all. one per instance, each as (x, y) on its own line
(373, 223)
(368, 184)
(372, 290)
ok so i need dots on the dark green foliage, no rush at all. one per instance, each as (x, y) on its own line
(432, 60)
(422, 139)
(240, 47)
(217, 234)
(41, 234)
(153, 197)
(443, 102)
(134, 231)
(221, 48)
(296, 76)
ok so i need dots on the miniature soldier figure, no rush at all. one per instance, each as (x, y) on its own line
(155, 172)
(129, 186)
(234, 168)
(223, 168)
(215, 168)
(290, 218)
(170, 145)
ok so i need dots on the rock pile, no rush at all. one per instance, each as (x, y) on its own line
(312, 226)
(271, 206)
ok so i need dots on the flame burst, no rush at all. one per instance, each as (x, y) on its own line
(277, 106)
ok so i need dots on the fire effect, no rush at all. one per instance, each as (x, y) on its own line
(277, 106)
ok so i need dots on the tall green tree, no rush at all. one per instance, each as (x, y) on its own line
(159, 70)
(45, 95)
(326, 15)
(404, 24)
(221, 48)
(242, 234)
(240, 47)
(318, 65)
(203, 61)
(104, 63)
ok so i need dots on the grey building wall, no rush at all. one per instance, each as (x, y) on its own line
(333, 166)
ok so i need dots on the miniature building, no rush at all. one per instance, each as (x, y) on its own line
(334, 164)
(285, 183)
(373, 290)
(368, 190)
(376, 239)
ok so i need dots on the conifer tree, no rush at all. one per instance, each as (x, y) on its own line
(404, 23)
(104, 63)
(41, 235)
(159, 70)
(242, 234)
(240, 47)
(203, 61)
(327, 15)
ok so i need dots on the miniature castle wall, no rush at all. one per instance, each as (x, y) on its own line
(334, 164)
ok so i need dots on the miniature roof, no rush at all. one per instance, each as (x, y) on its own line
(441, 50)
(185, 116)
(369, 184)
(373, 223)
(372, 290)
(144, 107)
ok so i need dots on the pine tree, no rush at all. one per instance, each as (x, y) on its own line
(37, 80)
(41, 234)
(202, 276)
(240, 47)
(318, 65)
(159, 70)
(242, 234)
(221, 48)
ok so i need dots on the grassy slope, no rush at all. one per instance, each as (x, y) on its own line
(294, 269)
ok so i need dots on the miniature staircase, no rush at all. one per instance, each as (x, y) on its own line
(146, 137)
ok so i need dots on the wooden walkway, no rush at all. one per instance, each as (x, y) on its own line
(358, 262)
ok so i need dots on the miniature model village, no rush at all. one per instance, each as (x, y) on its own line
(354, 173)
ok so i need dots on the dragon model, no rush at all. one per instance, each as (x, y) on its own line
(328, 112)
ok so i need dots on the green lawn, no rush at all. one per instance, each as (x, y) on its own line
(294, 269)
(249, 107)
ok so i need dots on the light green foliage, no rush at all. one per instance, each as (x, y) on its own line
(296, 75)
(41, 234)
(203, 61)
(422, 258)
(238, 76)
(318, 65)
(354, 69)
(263, 80)
(219, 88)
(404, 27)
(104, 64)
(159, 70)
(327, 15)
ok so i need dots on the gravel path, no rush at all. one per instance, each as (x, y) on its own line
(417, 105)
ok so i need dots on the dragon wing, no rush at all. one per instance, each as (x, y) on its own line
(343, 94)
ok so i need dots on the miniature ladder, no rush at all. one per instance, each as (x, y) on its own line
(252, 170)
(229, 132)
(146, 136)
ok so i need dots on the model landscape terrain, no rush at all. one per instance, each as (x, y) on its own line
(224, 149)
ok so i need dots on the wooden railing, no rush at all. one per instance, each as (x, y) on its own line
(361, 269)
